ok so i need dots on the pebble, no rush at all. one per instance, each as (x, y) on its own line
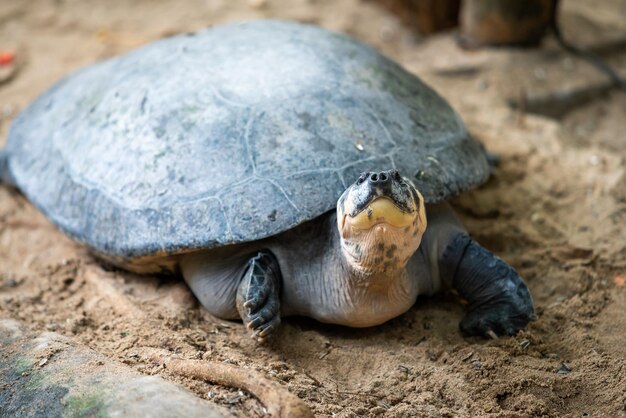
(257, 4)
(540, 73)
(568, 64)
(10, 283)
(483, 84)
(387, 32)
(564, 369)
(377, 410)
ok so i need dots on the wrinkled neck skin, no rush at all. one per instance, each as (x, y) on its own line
(376, 257)
(375, 285)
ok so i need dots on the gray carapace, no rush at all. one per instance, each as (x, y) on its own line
(222, 136)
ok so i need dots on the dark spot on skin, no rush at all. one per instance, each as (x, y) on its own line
(377, 260)
(381, 247)
(415, 233)
(370, 212)
(391, 250)
(406, 230)
(272, 216)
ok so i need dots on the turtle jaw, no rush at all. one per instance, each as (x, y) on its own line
(381, 210)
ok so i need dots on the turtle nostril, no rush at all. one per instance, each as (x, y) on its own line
(374, 177)
(382, 177)
(396, 175)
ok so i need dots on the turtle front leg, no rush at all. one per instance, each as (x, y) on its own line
(499, 300)
(258, 296)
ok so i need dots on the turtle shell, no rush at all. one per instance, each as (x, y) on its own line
(230, 135)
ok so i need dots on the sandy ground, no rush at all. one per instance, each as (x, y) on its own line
(555, 209)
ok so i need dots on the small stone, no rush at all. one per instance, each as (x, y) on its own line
(432, 356)
(564, 369)
(540, 73)
(568, 64)
(387, 32)
(257, 4)
(11, 282)
(405, 369)
(377, 410)
(43, 362)
(483, 84)
(8, 110)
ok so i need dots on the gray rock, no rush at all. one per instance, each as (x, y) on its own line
(50, 376)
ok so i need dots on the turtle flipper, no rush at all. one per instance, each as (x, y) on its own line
(258, 296)
(499, 300)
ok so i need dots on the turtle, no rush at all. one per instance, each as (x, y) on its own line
(280, 168)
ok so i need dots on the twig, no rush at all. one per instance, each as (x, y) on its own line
(280, 403)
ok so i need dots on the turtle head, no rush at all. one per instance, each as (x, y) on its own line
(381, 220)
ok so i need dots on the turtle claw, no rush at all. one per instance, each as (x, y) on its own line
(492, 334)
(265, 330)
(264, 315)
(265, 321)
(493, 321)
(258, 298)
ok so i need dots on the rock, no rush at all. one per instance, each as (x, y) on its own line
(49, 375)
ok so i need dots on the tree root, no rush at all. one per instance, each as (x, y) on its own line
(280, 403)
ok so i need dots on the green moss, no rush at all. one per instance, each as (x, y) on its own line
(36, 380)
(22, 365)
(85, 406)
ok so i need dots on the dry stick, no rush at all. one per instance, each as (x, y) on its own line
(280, 403)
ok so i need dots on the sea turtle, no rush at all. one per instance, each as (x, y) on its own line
(276, 166)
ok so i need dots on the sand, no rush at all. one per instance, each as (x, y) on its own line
(555, 209)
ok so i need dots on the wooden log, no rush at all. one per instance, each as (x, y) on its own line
(427, 16)
(504, 22)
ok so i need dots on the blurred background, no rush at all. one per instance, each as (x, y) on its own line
(555, 208)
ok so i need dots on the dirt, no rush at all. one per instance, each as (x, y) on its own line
(555, 208)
